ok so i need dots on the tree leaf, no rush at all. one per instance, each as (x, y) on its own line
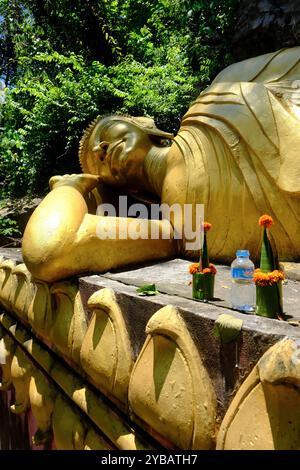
(147, 289)
(227, 328)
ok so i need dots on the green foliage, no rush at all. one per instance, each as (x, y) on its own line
(147, 290)
(44, 119)
(8, 227)
(227, 328)
(197, 32)
(64, 66)
(79, 26)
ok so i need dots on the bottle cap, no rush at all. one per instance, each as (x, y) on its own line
(243, 253)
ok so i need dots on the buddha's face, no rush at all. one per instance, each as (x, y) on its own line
(119, 150)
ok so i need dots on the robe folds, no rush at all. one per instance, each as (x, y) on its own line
(241, 143)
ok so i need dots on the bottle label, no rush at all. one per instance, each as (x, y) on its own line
(242, 273)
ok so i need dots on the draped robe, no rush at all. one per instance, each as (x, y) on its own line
(241, 143)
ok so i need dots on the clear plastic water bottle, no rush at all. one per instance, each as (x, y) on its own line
(242, 285)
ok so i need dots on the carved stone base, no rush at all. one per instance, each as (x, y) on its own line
(99, 367)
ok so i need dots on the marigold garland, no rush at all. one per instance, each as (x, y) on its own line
(194, 268)
(267, 279)
(266, 221)
(207, 226)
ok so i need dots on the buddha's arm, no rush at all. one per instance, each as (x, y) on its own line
(62, 239)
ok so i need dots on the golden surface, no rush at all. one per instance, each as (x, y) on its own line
(170, 388)
(237, 152)
(7, 283)
(102, 350)
(24, 291)
(66, 228)
(21, 369)
(40, 310)
(68, 422)
(265, 413)
(106, 354)
(69, 322)
(42, 398)
(34, 390)
(8, 348)
(95, 442)
(68, 428)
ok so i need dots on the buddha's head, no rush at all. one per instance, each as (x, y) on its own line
(115, 147)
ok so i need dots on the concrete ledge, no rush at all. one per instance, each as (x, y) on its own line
(291, 270)
(172, 277)
(15, 254)
(227, 364)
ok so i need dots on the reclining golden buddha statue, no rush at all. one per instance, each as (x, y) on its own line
(237, 152)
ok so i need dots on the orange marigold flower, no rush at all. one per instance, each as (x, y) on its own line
(267, 279)
(212, 268)
(266, 221)
(194, 268)
(207, 226)
(206, 271)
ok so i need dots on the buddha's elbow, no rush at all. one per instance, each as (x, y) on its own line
(40, 267)
(45, 259)
(41, 270)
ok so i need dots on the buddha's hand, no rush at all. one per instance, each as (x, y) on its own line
(83, 182)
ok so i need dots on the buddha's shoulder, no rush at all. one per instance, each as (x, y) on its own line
(264, 68)
(175, 181)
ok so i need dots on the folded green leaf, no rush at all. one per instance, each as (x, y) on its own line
(147, 289)
(227, 328)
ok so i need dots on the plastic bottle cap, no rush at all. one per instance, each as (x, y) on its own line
(243, 253)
